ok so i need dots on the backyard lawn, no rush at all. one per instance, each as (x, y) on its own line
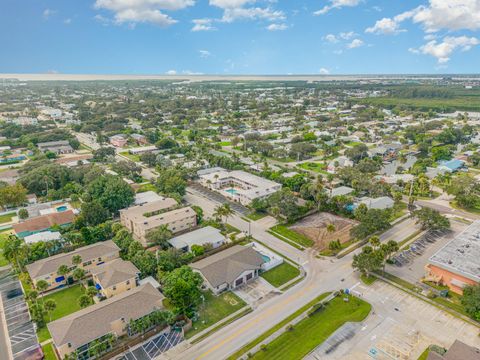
(67, 303)
(314, 330)
(214, 309)
(281, 274)
(5, 218)
(48, 352)
(292, 235)
(316, 167)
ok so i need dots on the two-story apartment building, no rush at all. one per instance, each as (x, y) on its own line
(91, 255)
(142, 219)
(115, 277)
(75, 332)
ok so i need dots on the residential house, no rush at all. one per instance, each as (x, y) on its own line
(43, 236)
(91, 255)
(43, 223)
(339, 162)
(380, 203)
(230, 268)
(458, 351)
(74, 333)
(207, 235)
(118, 140)
(142, 219)
(57, 147)
(341, 191)
(115, 277)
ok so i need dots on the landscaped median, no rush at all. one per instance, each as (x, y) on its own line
(316, 323)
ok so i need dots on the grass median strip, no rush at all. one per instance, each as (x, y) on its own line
(315, 329)
(282, 323)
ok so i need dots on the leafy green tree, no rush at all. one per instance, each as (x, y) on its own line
(431, 219)
(63, 270)
(111, 192)
(368, 261)
(13, 195)
(41, 285)
(93, 213)
(182, 288)
(23, 214)
(198, 250)
(160, 236)
(84, 301)
(471, 301)
(171, 181)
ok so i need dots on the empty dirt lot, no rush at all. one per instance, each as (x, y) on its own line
(316, 228)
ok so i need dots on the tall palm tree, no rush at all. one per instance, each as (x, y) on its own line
(50, 306)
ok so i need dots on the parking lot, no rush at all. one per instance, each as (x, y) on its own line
(153, 347)
(410, 264)
(400, 326)
(21, 331)
(215, 196)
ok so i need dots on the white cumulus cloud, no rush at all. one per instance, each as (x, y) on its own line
(143, 11)
(337, 4)
(277, 27)
(324, 71)
(204, 54)
(203, 25)
(356, 43)
(443, 50)
(385, 26)
(171, 72)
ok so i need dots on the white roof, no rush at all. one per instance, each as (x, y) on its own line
(205, 235)
(146, 197)
(43, 236)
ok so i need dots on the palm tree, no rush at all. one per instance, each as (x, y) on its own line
(331, 228)
(41, 286)
(50, 306)
(76, 260)
(374, 241)
(32, 296)
(92, 291)
(78, 274)
(227, 211)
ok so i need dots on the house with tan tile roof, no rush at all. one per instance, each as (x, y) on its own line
(115, 277)
(43, 223)
(91, 255)
(112, 316)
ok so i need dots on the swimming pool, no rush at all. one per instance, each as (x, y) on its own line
(231, 191)
(62, 208)
(265, 258)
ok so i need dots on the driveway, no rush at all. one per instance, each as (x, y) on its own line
(256, 292)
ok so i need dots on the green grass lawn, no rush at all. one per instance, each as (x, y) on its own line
(135, 158)
(312, 166)
(282, 323)
(313, 330)
(256, 216)
(292, 235)
(225, 143)
(424, 355)
(48, 352)
(215, 309)
(281, 274)
(5, 218)
(67, 303)
(368, 280)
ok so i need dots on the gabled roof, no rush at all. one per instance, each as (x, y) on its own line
(89, 324)
(115, 272)
(225, 266)
(202, 236)
(87, 253)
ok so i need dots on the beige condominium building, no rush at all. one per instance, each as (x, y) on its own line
(91, 255)
(238, 185)
(142, 219)
(110, 317)
(115, 277)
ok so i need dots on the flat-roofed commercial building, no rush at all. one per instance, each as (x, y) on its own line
(141, 219)
(239, 185)
(456, 264)
(75, 332)
(91, 255)
(207, 235)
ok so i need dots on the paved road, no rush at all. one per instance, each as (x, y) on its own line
(400, 231)
(447, 209)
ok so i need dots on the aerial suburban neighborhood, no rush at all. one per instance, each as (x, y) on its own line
(173, 188)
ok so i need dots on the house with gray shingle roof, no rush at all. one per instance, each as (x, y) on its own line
(115, 277)
(230, 268)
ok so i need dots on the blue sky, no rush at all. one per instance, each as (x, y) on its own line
(240, 36)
